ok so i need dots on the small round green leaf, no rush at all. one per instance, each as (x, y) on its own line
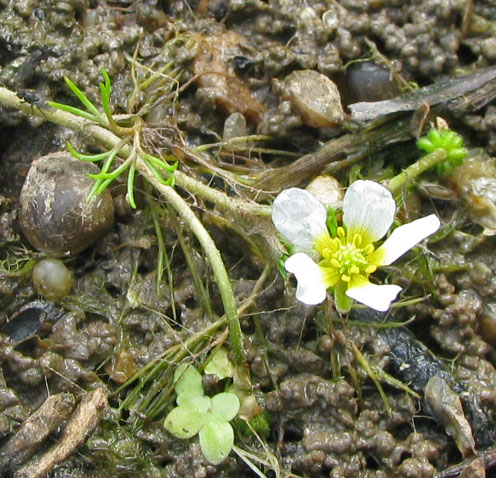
(188, 381)
(220, 364)
(216, 440)
(225, 405)
(198, 404)
(183, 422)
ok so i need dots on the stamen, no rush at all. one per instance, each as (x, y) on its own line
(368, 249)
(344, 259)
(357, 240)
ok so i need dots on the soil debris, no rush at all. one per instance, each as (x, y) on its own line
(35, 430)
(82, 422)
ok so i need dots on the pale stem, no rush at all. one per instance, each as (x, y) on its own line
(208, 245)
(107, 139)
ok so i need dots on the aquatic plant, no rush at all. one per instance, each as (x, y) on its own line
(208, 417)
(161, 169)
(346, 254)
(445, 151)
(123, 141)
(443, 138)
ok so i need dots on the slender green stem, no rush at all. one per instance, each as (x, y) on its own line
(213, 254)
(423, 164)
(366, 366)
(394, 381)
(221, 200)
(109, 140)
(201, 290)
(177, 351)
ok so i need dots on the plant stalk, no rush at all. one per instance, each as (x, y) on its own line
(423, 164)
(107, 140)
(208, 245)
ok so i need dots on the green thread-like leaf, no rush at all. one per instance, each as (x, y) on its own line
(87, 157)
(160, 178)
(73, 110)
(160, 162)
(83, 99)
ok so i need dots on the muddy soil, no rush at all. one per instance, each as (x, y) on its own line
(327, 395)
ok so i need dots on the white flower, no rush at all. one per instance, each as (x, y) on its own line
(346, 260)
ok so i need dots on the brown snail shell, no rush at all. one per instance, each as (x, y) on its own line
(315, 98)
(368, 81)
(55, 213)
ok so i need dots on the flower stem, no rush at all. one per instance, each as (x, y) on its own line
(423, 164)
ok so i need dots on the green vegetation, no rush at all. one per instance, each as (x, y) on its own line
(161, 169)
(448, 141)
(444, 150)
(197, 414)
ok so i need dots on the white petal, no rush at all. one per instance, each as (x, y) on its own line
(299, 217)
(378, 297)
(311, 289)
(368, 208)
(405, 237)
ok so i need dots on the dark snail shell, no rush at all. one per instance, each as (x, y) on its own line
(368, 81)
(55, 213)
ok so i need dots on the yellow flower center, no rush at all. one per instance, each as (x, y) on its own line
(344, 258)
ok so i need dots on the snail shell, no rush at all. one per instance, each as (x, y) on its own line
(315, 97)
(368, 81)
(55, 213)
(327, 190)
(52, 279)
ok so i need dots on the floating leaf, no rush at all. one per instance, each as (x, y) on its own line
(188, 382)
(184, 422)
